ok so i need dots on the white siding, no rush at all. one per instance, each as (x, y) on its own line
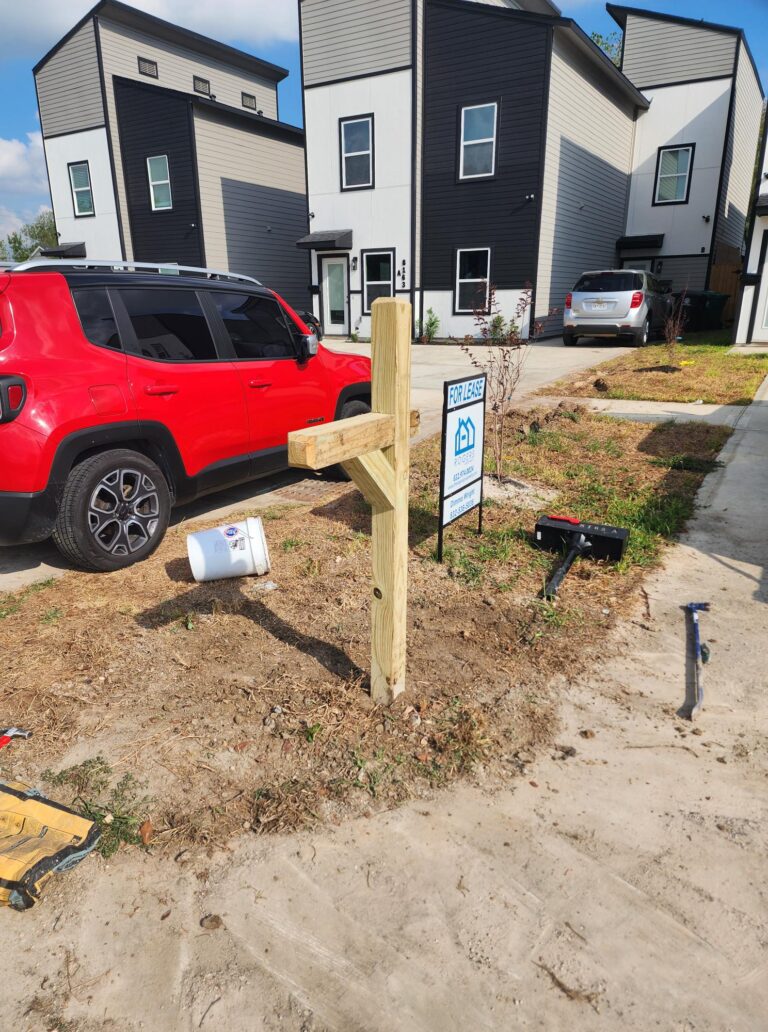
(742, 152)
(253, 202)
(379, 218)
(99, 233)
(657, 52)
(342, 38)
(69, 88)
(461, 326)
(696, 113)
(120, 49)
(586, 179)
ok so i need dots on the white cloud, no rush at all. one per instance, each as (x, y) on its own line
(31, 28)
(9, 222)
(22, 166)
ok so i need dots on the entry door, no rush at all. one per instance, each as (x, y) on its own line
(335, 290)
(761, 322)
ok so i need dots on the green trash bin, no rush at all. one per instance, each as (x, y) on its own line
(703, 309)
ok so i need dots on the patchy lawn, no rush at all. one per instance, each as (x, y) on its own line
(704, 371)
(232, 706)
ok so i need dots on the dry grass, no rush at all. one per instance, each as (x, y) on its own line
(244, 708)
(710, 374)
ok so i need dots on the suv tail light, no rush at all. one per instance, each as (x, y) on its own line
(637, 299)
(568, 300)
(13, 394)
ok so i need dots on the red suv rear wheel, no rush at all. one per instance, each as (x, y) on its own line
(114, 511)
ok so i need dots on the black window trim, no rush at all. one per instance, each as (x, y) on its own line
(224, 345)
(671, 147)
(457, 251)
(249, 96)
(200, 79)
(485, 176)
(149, 61)
(105, 347)
(85, 215)
(128, 334)
(342, 122)
(363, 255)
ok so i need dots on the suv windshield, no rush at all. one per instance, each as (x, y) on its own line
(603, 282)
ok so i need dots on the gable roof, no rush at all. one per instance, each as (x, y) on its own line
(129, 16)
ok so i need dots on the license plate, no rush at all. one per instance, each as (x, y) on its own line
(599, 306)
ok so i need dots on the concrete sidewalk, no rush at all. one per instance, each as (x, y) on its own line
(653, 411)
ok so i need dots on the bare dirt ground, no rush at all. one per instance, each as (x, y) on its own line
(614, 881)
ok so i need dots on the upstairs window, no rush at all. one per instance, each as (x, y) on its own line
(201, 85)
(356, 135)
(378, 276)
(478, 141)
(82, 194)
(147, 67)
(473, 271)
(159, 183)
(673, 175)
(249, 101)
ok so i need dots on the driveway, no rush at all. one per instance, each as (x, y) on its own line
(545, 362)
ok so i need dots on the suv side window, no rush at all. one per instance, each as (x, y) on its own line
(256, 325)
(96, 317)
(169, 324)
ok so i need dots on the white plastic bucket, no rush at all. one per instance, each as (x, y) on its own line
(235, 550)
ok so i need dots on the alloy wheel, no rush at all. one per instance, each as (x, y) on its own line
(123, 512)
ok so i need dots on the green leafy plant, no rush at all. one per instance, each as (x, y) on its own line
(429, 327)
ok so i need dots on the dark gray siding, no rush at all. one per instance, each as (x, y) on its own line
(254, 205)
(152, 122)
(69, 87)
(657, 52)
(344, 38)
(505, 58)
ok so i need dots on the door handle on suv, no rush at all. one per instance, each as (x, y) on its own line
(256, 384)
(161, 388)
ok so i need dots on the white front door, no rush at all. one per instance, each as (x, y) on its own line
(761, 318)
(335, 290)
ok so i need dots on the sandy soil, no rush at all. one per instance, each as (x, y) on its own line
(620, 883)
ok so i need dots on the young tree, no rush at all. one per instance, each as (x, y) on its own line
(610, 45)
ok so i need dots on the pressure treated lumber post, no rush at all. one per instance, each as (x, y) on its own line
(374, 449)
(390, 395)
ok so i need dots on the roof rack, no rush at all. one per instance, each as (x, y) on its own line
(166, 268)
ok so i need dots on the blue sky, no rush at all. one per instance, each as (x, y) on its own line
(263, 27)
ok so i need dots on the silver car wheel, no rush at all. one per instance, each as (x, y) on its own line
(123, 511)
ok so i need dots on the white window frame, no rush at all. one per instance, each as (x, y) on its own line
(159, 182)
(343, 122)
(377, 283)
(674, 175)
(81, 189)
(487, 280)
(471, 143)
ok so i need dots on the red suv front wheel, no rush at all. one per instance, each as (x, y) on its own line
(114, 511)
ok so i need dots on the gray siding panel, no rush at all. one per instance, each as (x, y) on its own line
(743, 135)
(590, 137)
(687, 273)
(343, 38)
(254, 206)
(660, 52)
(69, 88)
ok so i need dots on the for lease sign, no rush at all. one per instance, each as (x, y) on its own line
(461, 472)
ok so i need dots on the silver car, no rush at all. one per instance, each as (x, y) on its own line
(624, 303)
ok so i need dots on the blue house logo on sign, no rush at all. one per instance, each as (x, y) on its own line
(464, 439)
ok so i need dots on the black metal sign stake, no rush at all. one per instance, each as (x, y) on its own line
(458, 396)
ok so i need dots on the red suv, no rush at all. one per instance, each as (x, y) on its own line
(124, 393)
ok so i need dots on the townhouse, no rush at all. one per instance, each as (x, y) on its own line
(453, 144)
(164, 145)
(751, 326)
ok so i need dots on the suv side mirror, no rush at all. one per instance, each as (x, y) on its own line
(308, 345)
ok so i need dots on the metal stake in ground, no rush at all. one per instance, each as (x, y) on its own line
(702, 654)
(374, 450)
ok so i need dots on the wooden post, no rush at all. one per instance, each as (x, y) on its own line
(374, 450)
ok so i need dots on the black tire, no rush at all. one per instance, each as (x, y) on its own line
(98, 526)
(569, 339)
(643, 336)
(348, 410)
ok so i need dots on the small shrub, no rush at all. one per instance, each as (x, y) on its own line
(429, 327)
